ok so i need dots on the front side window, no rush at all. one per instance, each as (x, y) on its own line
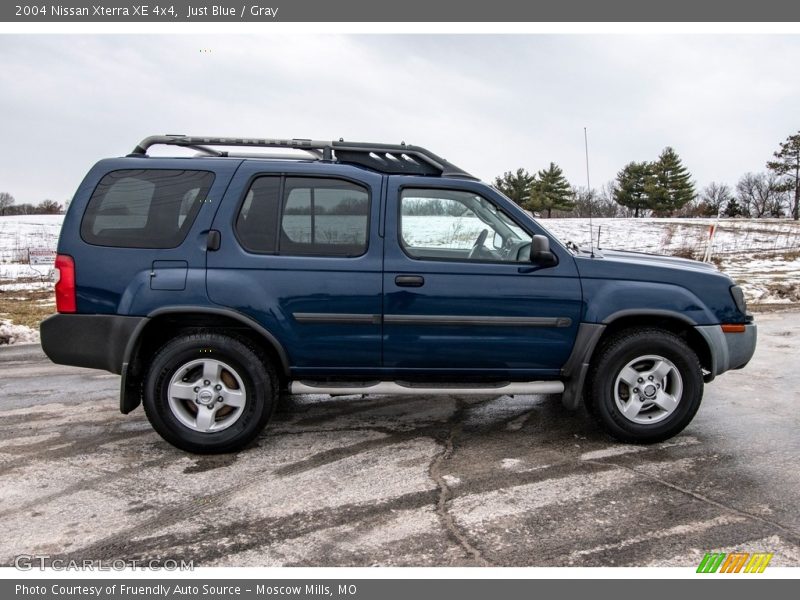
(144, 208)
(458, 225)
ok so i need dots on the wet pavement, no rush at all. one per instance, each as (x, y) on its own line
(404, 481)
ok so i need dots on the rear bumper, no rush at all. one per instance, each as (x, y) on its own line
(729, 350)
(93, 341)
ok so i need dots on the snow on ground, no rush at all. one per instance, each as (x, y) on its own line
(668, 236)
(16, 334)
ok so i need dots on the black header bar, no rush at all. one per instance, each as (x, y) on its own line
(460, 11)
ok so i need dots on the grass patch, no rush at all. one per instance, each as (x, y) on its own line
(27, 307)
(684, 252)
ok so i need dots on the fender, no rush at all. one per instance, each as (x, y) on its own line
(608, 300)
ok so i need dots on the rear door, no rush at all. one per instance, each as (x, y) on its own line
(301, 254)
(461, 296)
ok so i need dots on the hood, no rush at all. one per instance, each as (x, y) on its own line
(640, 266)
(643, 258)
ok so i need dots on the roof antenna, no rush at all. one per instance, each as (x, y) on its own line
(588, 190)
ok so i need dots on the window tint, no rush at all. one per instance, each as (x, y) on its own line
(144, 208)
(257, 223)
(457, 225)
(324, 217)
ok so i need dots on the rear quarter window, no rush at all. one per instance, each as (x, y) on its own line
(144, 208)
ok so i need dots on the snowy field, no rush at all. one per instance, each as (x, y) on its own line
(19, 235)
(762, 255)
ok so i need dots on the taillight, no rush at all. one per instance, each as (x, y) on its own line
(65, 285)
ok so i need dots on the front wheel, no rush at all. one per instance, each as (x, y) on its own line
(645, 386)
(209, 393)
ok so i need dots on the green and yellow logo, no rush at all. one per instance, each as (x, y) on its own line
(736, 562)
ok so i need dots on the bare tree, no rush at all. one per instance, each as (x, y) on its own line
(48, 207)
(594, 203)
(6, 200)
(584, 202)
(714, 198)
(693, 208)
(761, 195)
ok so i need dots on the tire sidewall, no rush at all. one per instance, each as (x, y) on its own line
(609, 367)
(257, 383)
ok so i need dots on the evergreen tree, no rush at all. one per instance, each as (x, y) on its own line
(551, 191)
(517, 186)
(787, 166)
(732, 208)
(669, 186)
(629, 188)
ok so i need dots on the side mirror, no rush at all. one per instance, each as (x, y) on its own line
(540, 252)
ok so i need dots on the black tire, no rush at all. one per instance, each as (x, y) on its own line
(248, 363)
(617, 352)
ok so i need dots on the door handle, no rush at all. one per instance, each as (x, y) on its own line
(409, 280)
(214, 240)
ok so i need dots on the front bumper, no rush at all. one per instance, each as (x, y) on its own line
(93, 341)
(729, 350)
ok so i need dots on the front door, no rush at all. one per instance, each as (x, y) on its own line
(461, 297)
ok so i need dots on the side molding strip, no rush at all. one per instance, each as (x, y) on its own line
(370, 319)
(477, 320)
(337, 318)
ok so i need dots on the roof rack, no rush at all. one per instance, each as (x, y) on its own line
(393, 159)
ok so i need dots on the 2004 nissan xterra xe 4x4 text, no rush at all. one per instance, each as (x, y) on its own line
(215, 282)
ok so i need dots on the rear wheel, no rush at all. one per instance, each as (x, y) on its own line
(209, 393)
(645, 385)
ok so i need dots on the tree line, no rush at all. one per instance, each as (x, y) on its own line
(663, 188)
(9, 207)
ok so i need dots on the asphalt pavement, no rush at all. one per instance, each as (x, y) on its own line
(388, 480)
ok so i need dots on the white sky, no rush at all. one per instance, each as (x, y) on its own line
(487, 103)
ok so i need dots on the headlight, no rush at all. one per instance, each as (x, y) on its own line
(738, 298)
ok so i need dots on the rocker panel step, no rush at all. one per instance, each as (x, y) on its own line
(395, 388)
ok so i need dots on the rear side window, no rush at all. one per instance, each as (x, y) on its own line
(257, 223)
(144, 208)
(308, 216)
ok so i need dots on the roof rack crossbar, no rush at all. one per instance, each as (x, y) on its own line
(387, 158)
(264, 155)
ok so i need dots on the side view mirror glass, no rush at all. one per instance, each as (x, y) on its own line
(497, 241)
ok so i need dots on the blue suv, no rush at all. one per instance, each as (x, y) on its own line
(216, 281)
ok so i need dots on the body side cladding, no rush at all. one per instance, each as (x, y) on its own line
(713, 336)
(728, 350)
(574, 370)
(577, 366)
(130, 392)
